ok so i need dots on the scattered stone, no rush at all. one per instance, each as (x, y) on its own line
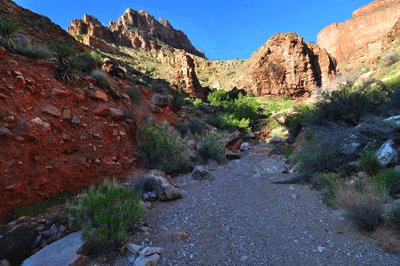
(147, 251)
(386, 153)
(160, 100)
(134, 249)
(276, 140)
(155, 109)
(75, 120)
(251, 135)
(191, 144)
(62, 252)
(4, 132)
(51, 110)
(351, 148)
(102, 109)
(245, 146)
(116, 114)
(9, 119)
(199, 173)
(66, 114)
(171, 237)
(271, 166)
(232, 154)
(20, 80)
(295, 196)
(94, 94)
(36, 127)
(232, 138)
(150, 196)
(147, 261)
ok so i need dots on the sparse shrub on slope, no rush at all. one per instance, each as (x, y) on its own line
(363, 208)
(161, 149)
(210, 147)
(386, 179)
(394, 217)
(104, 81)
(8, 29)
(349, 103)
(63, 52)
(34, 51)
(104, 213)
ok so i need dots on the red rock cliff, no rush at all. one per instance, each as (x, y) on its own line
(285, 64)
(137, 29)
(368, 23)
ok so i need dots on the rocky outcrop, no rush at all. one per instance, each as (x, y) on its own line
(185, 75)
(137, 29)
(285, 64)
(367, 24)
(38, 28)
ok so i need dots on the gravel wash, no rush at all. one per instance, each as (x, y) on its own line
(241, 218)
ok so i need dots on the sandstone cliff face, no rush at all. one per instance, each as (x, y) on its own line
(285, 64)
(185, 75)
(38, 28)
(368, 23)
(370, 52)
(137, 29)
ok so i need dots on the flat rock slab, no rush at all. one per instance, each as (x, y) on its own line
(60, 253)
(270, 166)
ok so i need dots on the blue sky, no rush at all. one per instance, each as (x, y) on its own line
(222, 29)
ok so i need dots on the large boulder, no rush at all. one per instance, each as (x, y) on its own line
(386, 153)
(16, 242)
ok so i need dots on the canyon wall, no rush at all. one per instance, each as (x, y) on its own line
(137, 29)
(367, 24)
(285, 64)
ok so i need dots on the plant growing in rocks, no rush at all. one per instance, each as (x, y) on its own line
(362, 207)
(8, 29)
(210, 147)
(386, 179)
(161, 149)
(63, 52)
(104, 213)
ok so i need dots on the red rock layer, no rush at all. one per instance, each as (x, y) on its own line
(137, 29)
(285, 64)
(368, 23)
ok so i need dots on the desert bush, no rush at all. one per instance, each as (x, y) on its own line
(363, 208)
(182, 128)
(63, 51)
(321, 145)
(218, 97)
(390, 58)
(104, 81)
(210, 147)
(196, 127)
(329, 181)
(197, 102)
(161, 149)
(79, 37)
(84, 63)
(368, 161)
(386, 179)
(8, 28)
(34, 51)
(134, 94)
(97, 57)
(104, 213)
(394, 217)
(392, 106)
(278, 132)
(349, 103)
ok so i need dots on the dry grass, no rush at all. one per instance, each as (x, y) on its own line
(363, 207)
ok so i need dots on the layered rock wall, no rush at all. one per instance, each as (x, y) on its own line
(285, 64)
(137, 29)
(367, 24)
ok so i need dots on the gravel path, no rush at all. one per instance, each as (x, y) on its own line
(240, 218)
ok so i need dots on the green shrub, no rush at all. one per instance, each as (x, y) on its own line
(8, 28)
(363, 208)
(387, 179)
(104, 213)
(152, 69)
(288, 152)
(348, 103)
(209, 146)
(97, 57)
(79, 37)
(135, 95)
(161, 149)
(250, 94)
(206, 79)
(196, 127)
(63, 51)
(230, 121)
(182, 128)
(104, 81)
(197, 102)
(218, 97)
(368, 161)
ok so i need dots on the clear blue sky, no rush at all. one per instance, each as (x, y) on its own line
(222, 29)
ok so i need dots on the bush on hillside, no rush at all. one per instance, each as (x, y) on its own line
(34, 51)
(349, 103)
(386, 179)
(8, 29)
(104, 212)
(363, 208)
(161, 149)
(104, 81)
(210, 147)
(394, 217)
